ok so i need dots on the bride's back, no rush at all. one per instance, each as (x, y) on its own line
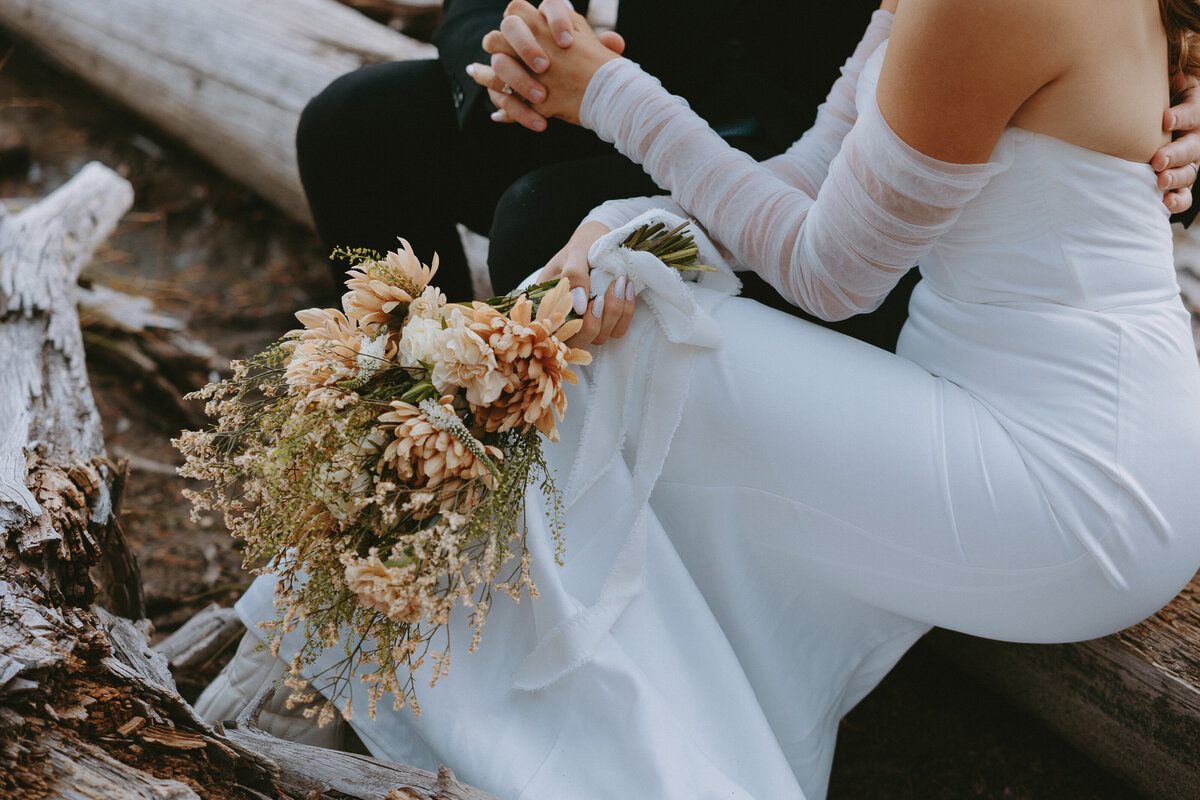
(1091, 72)
(1114, 87)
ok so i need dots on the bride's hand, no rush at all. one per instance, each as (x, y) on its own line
(565, 71)
(605, 317)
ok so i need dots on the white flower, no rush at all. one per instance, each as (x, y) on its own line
(429, 305)
(462, 359)
(416, 341)
(372, 357)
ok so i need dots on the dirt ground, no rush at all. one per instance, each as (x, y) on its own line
(211, 253)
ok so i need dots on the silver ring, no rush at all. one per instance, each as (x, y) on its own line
(509, 90)
(1196, 167)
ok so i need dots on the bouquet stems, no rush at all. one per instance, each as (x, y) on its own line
(675, 247)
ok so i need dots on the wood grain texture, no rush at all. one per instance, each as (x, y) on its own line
(227, 77)
(45, 398)
(304, 768)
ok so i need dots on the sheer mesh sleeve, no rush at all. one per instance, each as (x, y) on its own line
(836, 251)
(616, 213)
(835, 117)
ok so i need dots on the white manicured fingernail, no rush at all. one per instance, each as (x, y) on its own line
(619, 287)
(499, 116)
(540, 65)
(564, 39)
(629, 292)
(578, 300)
(598, 307)
(471, 70)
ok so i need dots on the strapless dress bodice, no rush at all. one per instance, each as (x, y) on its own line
(1060, 224)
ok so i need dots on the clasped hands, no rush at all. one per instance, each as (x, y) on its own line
(520, 81)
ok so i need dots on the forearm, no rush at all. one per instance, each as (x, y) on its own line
(754, 210)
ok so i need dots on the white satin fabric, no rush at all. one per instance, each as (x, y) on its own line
(1021, 470)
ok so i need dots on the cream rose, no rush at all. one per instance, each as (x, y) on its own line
(417, 341)
(462, 359)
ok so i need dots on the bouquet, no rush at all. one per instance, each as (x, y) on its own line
(376, 462)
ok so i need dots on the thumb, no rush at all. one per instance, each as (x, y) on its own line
(613, 41)
(576, 270)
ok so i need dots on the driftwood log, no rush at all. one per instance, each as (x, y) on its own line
(1130, 701)
(87, 709)
(227, 77)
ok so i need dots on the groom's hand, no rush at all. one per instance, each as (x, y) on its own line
(1177, 162)
(517, 57)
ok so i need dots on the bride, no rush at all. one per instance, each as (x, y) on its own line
(1019, 469)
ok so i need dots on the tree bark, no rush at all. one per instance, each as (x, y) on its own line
(227, 77)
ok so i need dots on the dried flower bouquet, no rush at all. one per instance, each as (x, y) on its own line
(376, 462)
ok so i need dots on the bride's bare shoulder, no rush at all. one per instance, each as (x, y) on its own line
(957, 70)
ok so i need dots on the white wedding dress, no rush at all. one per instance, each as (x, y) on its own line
(764, 515)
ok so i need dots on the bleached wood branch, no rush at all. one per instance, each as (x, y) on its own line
(45, 399)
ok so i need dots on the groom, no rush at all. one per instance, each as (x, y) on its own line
(411, 149)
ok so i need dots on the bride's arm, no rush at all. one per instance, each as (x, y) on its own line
(953, 77)
(805, 163)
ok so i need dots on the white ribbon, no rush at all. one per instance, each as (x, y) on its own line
(645, 374)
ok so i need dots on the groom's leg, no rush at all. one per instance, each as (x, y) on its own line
(540, 210)
(372, 154)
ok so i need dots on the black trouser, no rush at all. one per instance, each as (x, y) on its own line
(381, 155)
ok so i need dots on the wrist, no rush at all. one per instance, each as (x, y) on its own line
(588, 232)
(605, 83)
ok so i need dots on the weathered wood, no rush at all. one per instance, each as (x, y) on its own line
(1130, 701)
(67, 674)
(394, 7)
(85, 772)
(227, 77)
(201, 637)
(45, 400)
(350, 774)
